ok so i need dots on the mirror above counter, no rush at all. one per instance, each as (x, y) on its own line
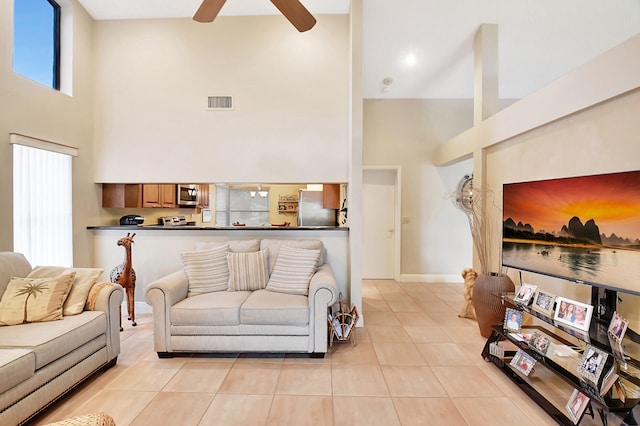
(228, 204)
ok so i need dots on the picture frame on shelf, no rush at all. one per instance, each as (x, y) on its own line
(513, 320)
(617, 327)
(525, 294)
(592, 363)
(573, 313)
(576, 405)
(540, 343)
(523, 362)
(543, 302)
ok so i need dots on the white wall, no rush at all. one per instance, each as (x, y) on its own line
(290, 122)
(29, 108)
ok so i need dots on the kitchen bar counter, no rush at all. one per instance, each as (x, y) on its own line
(218, 228)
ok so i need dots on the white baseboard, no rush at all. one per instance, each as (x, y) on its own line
(431, 278)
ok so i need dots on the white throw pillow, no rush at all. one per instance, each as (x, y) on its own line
(206, 270)
(248, 271)
(293, 270)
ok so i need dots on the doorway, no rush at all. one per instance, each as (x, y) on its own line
(381, 232)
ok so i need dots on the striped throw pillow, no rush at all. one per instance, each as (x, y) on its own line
(248, 271)
(293, 270)
(206, 270)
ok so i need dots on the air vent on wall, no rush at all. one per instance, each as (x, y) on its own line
(217, 103)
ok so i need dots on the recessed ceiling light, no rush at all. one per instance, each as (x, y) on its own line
(410, 59)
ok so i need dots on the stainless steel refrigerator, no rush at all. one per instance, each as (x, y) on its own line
(311, 211)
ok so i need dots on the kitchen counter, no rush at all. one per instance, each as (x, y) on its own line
(218, 228)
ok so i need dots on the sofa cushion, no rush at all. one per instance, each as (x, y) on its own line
(268, 308)
(219, 308)
(235, 246)
(85, 279)
(274, 247)
(293, 270)
(52, 340)
(248, 271)
(16, 366)
(206, 270)
(34, 299)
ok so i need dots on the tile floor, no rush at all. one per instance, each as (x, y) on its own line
(416, 363)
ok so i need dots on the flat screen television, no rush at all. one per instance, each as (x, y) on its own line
(583, 229)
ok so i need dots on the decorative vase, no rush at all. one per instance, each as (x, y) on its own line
(487, 301)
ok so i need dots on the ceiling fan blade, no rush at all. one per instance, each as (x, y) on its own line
(208, 10)
(296, 13)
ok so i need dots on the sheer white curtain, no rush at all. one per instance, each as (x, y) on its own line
(42, 222)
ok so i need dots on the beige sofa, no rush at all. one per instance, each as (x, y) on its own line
(41, 361)
(258, 320)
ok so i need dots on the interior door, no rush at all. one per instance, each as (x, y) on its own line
(378, 240)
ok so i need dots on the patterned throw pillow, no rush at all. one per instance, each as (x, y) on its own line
(293, 270)
(248, 271)
(206, 270)
(34, 299)
(85, 279)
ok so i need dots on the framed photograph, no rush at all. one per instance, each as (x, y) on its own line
(543, 302)
(525, 294)
(523, 362)
(540, 343)
(513, 320)
(573, 314)
(617, 327)
(576, 405)
(592, 363)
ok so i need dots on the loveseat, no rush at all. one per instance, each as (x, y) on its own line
(268, 295)
(69, 331)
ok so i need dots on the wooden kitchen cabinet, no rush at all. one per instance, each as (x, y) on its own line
(120, 195)
(159, 195)
(203, 196)
(331, 196)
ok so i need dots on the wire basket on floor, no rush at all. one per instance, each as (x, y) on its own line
(342, 324)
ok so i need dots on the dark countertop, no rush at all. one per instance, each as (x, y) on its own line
(219, 228)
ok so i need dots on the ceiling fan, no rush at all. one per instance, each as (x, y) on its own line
(293, 10)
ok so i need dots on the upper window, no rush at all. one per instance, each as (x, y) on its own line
(36, 41)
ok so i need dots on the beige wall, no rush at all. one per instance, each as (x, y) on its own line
(289, 124)
(28, 108)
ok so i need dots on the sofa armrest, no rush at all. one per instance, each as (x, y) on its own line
(162, 295)
(323, 293)
(107, 297)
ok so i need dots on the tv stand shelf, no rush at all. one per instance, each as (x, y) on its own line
(555, 374)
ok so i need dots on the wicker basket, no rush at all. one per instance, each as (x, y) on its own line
(342, 324)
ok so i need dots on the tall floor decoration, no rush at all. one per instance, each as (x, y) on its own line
(124, 275)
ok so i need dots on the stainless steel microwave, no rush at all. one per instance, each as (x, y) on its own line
(187, 195)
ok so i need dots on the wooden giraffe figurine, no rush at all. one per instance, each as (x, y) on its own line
(124, 275)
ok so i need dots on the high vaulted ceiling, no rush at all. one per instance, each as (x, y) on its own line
(424, 47)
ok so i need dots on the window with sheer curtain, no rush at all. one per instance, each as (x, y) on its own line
(42, 222)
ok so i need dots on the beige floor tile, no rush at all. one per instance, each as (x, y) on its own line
(364, 411)
(437, 309)
(346, 354)
(301, 379)
(301, 411)
(261, 358)
(415, 318)
(443, 354)
(237, 410)
(370, 305)
(464, 332)
(148, 375)
(251, 379)
(428, 411)
(203, 377)
(122, 405)
(381, 318)
(466, 381)
(360, 380)
(410, 380)
(398, 354)
(403, 304)
(491, 411)
(304, 358)
(174, 408)
(426, 334)
(388, 333)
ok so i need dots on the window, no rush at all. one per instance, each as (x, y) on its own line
(42, 222)
(36, 41)
(248, 207)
